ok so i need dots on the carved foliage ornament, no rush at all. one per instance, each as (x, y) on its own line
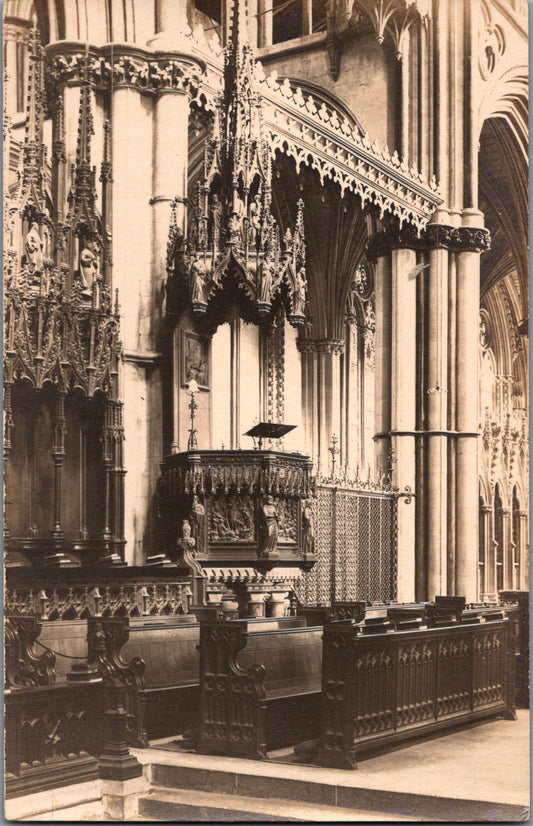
(25, 668)
(459, 239)
(136, 69)
(232, 232)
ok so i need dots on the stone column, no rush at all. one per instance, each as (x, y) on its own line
(383, 290)
(507, 549)
(473, 240)
(132, 256)
(16, 34)
(308, 356)
(329, 399)
(523, 557)
(436, 400)
(488, 568)
(403, 410)
(264, 22)
(353, 401)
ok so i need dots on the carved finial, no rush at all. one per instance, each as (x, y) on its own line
(85, 119)
(82, 197)
(58, 144)
(233, 217)
(239, 24)
(106, 168)
(34, 152)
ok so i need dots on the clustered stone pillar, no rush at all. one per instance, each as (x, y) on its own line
(403, 409)
(436, 482)
(143, 194)
(383, 294)
(427, 341)
(485, 555)
(321, 394)
(523, 557)
(467, 481)
(16, 35)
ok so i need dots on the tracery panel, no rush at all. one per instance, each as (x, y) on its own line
(356, 547)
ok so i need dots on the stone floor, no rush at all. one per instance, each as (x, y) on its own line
(475, 773)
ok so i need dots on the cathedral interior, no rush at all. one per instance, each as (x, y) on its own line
(303, 219)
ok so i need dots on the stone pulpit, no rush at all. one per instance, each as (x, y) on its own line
(235, 515)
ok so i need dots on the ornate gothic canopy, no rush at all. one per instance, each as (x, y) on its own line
(232, 233)
(60, 326)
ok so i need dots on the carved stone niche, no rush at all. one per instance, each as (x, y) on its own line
(237, 507)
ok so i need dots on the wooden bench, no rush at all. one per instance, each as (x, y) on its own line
(259, 688)
(168, 646)
(162, 701)
(518, 602)
(388, 685)
(53, 728)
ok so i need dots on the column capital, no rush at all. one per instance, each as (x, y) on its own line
(434, 236)
(116, 66)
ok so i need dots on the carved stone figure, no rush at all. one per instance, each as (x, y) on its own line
(186, 543)
(268, 527)
(239, 212)
(34, 249)
(88, 269)
(255, 221)
(308, 530)
(266, 283)
(216, 219)
(197, 282)
(197, 519)
(299, 293)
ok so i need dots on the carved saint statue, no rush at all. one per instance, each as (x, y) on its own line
(308, 530)
(197, 519)
(299, 293)
(88, 269)
(237, 227)
(197, 282)
(255, 221)
(216, 220)
(34, 249)
(266, 283)
(268, 527)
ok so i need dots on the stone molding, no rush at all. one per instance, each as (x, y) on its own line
(434, 236)
(293, 124)
(321, 345)
(115, 67)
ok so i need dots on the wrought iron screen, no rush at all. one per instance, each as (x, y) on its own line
(356, 547)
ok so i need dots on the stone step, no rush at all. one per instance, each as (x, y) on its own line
(296, 786)
(193, 806)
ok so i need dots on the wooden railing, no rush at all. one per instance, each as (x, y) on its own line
(77, 593)
(78, 728)
(381, 688)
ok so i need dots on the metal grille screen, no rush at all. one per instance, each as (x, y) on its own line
(355, 546)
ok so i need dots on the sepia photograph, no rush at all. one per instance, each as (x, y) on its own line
(266, 438)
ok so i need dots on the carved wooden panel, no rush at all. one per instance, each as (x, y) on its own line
(232, 716)
(51, 736)
(384, 687)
